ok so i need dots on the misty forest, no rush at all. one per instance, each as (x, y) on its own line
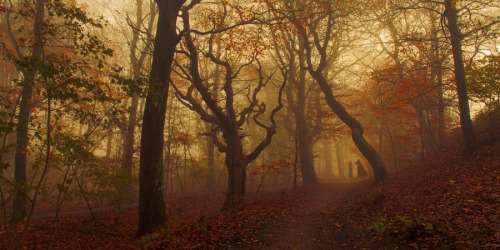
(250, 124)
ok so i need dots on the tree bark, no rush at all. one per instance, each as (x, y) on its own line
(210, 186)
(236, 166)
(327, 147)
(137, 62)
(306, 154)
(340, 159)
(19, 211)
(364, 147)
(463, 99)
(317, 73)
(151, 203)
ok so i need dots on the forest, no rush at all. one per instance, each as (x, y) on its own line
(250, 124)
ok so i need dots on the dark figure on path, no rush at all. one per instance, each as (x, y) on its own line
(350, 169)
(361, 169)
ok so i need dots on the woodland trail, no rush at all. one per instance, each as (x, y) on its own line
(306, 224)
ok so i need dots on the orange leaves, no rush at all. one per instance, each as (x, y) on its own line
(276, 167)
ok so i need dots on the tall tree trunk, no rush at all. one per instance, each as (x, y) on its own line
(236, 167)
(463, 99)
(210, 186)
(364, 147)
(151, 203)
(137, 62)
(327, 151)
(19, 204)
(305, 138)
(306, 157)
(437, 72)
(340, 159)
(109, 144)
(441, 106)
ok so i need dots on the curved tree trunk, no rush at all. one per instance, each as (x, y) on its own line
(151, 204)
(19, 204)
(364, 147)
(463, 98)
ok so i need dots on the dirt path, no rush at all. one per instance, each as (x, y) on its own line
(305, 225)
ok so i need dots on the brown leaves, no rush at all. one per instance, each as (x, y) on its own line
(449, 200)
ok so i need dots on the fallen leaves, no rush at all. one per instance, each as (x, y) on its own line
(450, 201)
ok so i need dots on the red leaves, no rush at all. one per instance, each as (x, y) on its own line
(449, 200)
(276, 167)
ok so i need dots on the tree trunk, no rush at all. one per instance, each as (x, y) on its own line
(236, 167)
(441, 106)
(340, 159)
(463, 99)
(327, 147)
(210, 186)
(128, 146)
(137, 63)
(151, 204)
(364, 147)
(306, 160)
(19, 204)
(109, 144)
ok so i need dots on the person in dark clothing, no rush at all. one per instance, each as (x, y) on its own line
(361, 168)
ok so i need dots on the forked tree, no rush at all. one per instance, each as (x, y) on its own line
(228, 112)
(326, 15)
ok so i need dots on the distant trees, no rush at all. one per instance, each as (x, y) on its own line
(290, 53)
(420, 61)
(319, 27)
(52, 89)
(140, 45)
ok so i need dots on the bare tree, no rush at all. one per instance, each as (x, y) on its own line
(228, 116)
(316, 64)
(463, 98)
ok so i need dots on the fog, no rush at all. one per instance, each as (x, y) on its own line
(232, 97)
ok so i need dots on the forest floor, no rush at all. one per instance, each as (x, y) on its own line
(450, 201)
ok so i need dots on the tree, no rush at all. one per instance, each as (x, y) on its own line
(228, 115)
(321, 20)
(298, 94)
(463, 98)
(151, 203)
(308, 29)
(137, 58)
(19, 206)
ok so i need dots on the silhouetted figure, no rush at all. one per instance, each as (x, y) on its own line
(350, 169)
(361, 168)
